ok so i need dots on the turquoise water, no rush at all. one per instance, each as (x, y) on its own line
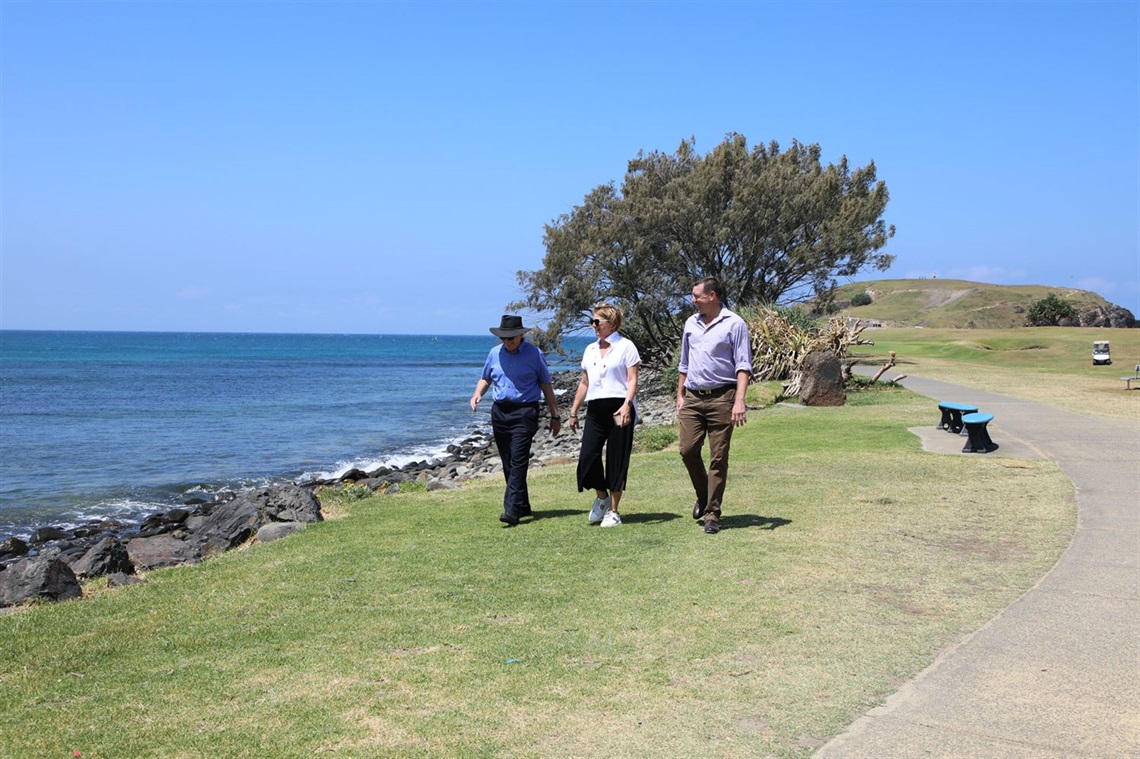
(123, 424)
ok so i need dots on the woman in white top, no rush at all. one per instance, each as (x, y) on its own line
(609, 386)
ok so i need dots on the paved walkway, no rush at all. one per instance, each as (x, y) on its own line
(1057, 674)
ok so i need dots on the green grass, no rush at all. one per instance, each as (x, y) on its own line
(416, 626)
(652, 439)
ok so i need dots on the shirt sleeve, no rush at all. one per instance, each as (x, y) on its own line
(683, 363)
(742, 353)
(543, 371)
(632, 356)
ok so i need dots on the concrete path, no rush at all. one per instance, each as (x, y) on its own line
(1057, 674)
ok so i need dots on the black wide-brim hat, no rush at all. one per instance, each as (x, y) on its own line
(510, 326)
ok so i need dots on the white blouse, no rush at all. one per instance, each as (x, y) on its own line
(609, 374)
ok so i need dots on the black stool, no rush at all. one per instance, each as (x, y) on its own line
(979, 439)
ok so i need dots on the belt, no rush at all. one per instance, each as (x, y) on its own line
(712, 390)
(512, 406)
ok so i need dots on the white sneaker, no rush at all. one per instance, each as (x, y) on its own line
(611, 519)
(599, 510)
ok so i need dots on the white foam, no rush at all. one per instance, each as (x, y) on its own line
(428, 453)
(127, 510)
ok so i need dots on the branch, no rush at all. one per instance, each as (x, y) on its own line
(888, 365)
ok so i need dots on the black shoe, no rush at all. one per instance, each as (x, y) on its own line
(508, 520)
(698, 510)
(712, 526)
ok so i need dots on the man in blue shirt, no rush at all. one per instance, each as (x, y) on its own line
(519, 379)
(714, 371)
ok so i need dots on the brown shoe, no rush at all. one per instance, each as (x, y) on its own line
(712, 526)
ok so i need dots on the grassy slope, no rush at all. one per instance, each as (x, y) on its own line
(955, 303)
(415, 626)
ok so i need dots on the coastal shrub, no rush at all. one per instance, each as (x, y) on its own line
(413, 486)
(798, 317)
(345, 491)
(861, 299)
(335, 499)
(1051, 311)
(652, 439)
(783, 337)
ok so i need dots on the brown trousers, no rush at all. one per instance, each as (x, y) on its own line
(708, 416)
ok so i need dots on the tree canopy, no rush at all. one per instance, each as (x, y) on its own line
(1051, 311)
(774, 226)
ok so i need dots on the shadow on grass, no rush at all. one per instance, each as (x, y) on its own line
(554, 513)
(642, 518)
(626, 518)
(735, 521)
(739, 521)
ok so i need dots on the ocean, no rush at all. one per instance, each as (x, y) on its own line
(124, 424)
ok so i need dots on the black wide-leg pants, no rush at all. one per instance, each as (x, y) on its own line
(600, 430)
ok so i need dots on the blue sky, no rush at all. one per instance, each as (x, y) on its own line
(376, 167)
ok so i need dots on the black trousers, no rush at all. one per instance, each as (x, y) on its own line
(600, 430)
(514, 427)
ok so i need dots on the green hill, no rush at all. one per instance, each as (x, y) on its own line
(956, 303)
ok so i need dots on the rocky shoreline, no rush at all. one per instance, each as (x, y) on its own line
(54, 561)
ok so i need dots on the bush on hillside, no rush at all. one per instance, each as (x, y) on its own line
(1051, 311)
(861, 299)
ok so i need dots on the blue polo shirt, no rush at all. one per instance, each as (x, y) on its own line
(516, 377)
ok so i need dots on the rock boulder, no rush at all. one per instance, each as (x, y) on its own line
(106, 557)
(228, 526)
(38, 577)
(162, 551)
(288, 503)
(821, 383)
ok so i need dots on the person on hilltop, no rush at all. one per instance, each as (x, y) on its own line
(609, 387)
(714, 370)
(517, 374)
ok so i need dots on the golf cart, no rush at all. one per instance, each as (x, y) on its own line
(1100, 353)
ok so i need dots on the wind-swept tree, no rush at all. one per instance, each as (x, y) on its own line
(775, 226)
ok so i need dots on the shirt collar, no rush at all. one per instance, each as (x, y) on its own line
(724, 314)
